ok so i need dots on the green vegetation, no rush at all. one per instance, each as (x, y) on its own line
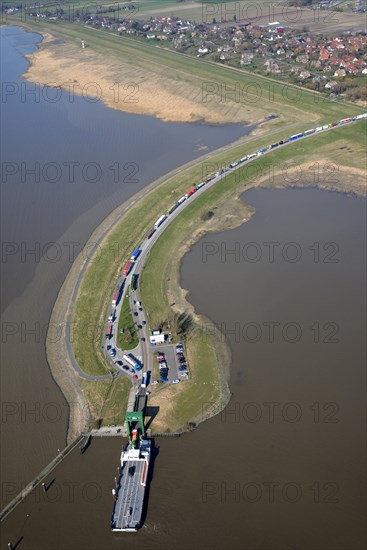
(101, 276)
(108, 400)
(129, 338)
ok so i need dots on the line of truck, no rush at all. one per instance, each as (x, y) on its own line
(246, 158)
(190, 192)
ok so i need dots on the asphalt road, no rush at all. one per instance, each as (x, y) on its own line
(144, 351)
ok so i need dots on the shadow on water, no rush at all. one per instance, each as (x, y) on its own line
(14, 546)
(47, 486)
(154, 453)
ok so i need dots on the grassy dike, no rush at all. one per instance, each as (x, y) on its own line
(207, 389)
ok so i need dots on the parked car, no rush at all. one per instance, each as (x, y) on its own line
(154, 382)
(140, 326)
(142, 339)
(125, 367)
(175, 381)
(136, 313)
(182, 368)
(135, 377)
(119, 363)
(131, 370)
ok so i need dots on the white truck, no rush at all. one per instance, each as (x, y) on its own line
(144, 380)
(160, 221)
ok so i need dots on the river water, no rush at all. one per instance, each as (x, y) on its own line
(67, 162)
(284, 465)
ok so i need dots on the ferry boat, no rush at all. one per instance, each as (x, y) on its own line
(131, 485)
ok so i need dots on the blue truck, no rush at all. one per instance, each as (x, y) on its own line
(296, 136)
(135, 254)
(132, 361)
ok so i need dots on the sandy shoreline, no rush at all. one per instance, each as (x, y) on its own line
(121, 86)
(141, 88)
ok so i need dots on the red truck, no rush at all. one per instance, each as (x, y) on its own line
(190, 192)
(126, 269)
(109, 332)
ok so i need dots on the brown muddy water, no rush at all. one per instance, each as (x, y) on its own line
(67, 162)
(284, 465)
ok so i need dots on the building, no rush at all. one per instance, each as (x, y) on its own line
(157, 338)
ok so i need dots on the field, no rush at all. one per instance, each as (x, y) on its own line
(137, 77)
(108, 400)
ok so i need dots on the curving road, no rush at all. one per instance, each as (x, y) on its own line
(143, 351)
